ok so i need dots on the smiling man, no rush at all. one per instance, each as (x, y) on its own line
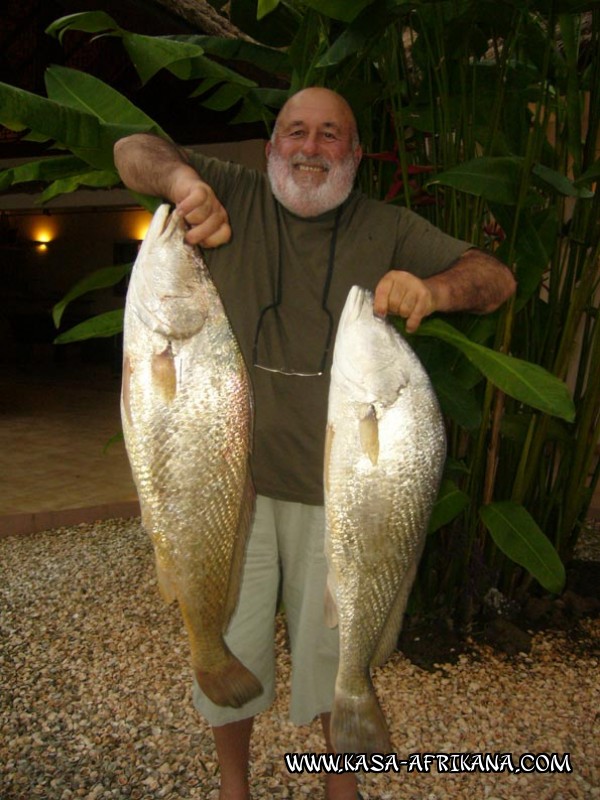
(284, 250)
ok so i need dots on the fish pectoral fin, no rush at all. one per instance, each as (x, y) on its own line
(164, 375)
(330, 608)
(369, 435)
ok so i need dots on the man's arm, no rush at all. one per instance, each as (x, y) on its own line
(150, 165)
(475, 282)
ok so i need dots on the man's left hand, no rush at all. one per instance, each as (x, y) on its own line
(404, 294)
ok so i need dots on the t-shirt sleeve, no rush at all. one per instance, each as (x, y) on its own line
(423, 249)
(224, 177)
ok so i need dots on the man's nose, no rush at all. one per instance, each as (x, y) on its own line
(310, 145)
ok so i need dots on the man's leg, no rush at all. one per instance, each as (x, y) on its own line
(251, 638)
(315, 648)
(342, 786)
(233, 751)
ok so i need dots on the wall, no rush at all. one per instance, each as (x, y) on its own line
(84, 231)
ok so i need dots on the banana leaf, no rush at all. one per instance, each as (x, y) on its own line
(100, 326)
(518, 536)
(94, 179)
(529, 383)
(99, 279)
(46, 169)
(449, 504)
(81, 132)
(83, 92)
(496, 179)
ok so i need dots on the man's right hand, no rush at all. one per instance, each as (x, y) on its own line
(151, 165)
(199, 206)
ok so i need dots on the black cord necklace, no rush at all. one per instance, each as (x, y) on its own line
(279, 294)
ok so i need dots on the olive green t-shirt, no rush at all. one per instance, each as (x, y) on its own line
(291, 275)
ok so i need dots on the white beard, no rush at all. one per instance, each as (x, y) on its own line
(305, 200)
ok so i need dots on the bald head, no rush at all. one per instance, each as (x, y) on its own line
(317, 101)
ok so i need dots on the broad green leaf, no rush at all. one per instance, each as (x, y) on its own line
(354, 38)
(150, 54)
(79, 131)
(103, 325)
(47, 169)
(496, 179)
(95, 179)
(265, 7)
(343, 10)
(450, 502)
(590, 175)
(518, 536)
(202, 67)
(275, 62)
(86, 21)
(84, 92)
(224, 97)
(529, 383)
(560, 182)
(99, 279)
(456, 400)
(535, 240)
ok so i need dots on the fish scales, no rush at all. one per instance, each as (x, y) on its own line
(186, 408)
(385, 451)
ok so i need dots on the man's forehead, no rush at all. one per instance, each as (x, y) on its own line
(316, 106)
(299, 121)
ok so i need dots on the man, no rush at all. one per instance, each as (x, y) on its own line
(283, 252)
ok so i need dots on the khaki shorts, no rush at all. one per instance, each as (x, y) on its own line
(285, 544)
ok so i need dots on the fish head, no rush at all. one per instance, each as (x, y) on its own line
(168, 290)
(371, 361)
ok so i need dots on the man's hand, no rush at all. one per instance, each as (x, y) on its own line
(201, 209)
(406, 295)
(476, 282)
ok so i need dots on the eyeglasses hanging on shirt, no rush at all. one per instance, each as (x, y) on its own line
(278, 345)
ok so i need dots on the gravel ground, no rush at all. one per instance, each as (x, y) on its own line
(96, 703)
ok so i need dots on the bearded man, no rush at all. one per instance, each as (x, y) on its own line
(284, 250)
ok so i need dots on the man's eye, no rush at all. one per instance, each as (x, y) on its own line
(296, 134)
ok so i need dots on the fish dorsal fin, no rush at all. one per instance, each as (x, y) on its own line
(369, 434)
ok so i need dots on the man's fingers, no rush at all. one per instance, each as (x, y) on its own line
(404, 294)
(211, 233)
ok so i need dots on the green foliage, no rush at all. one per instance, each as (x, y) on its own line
(471, 113)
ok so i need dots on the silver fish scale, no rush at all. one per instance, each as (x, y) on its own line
(187, 421)
(188, 457)
(383, 466)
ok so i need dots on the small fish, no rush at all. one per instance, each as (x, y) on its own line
(384, 454)
(186, 409)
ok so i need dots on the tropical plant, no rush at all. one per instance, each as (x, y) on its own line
(471, 113)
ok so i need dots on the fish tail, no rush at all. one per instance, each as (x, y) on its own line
(232, 685)
(358, 724)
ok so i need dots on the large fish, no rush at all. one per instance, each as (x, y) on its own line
(384, 454)
(186, 410)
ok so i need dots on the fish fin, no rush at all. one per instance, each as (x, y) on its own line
(165, 584)
(330, 607)
(126, 388)
(369, 435)
(237, 561)
(329, 434)
(164, 375)
(393, 624)
(232, 685)
(358, 724)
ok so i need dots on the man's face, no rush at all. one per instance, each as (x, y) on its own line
(312, 160)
